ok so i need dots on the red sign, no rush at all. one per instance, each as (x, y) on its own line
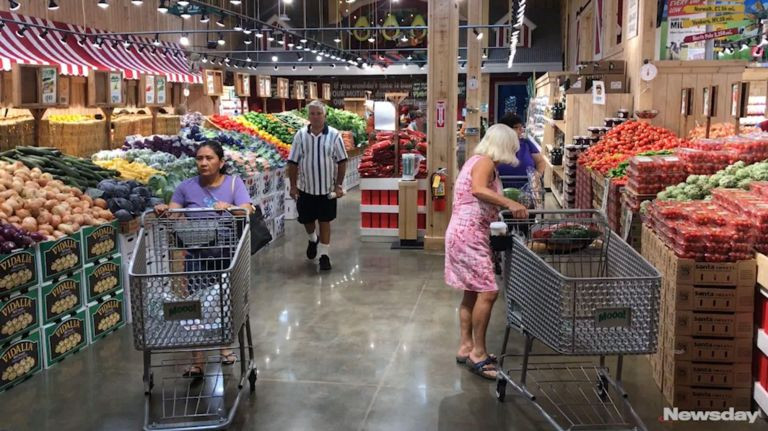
(711, 35)
(440, 117)
(675, 7)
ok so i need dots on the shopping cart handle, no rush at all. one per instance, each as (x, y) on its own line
(506, 214)
(231, 210)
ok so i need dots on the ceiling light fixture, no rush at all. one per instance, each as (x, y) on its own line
(247, 31)
(184, 40)
(274, 58)
(204, 18)
(299, 57)
(248, 59)
(43, 34)
(13, 5)
(162, 7)
(137, 2)
(63, 38)
(220, 21)
(291, 45)
(185, 14)
(404, 39)
(248, 41)
(293, 67)
(52, 5)
(238, 26)
(20, 32)
(371, 39)
(183, 3)
(478, 34)
(204, 59)
(103, 4)
(221, 40)
(156, 42)
(303, 40)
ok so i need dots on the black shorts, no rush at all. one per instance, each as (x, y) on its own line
(313, 208)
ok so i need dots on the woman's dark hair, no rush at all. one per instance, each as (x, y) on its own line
(216, 147)
(511, 120)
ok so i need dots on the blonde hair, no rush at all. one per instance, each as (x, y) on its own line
(500, 143)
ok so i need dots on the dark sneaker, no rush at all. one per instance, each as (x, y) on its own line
(312, 249)
(325, 263)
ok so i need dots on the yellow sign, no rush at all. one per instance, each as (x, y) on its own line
(713, 20)
(713, 8)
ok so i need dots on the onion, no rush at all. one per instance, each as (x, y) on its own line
(44, 218)
(101, 203)
(78, 218)
(23, 213)
(29, 224)
(59, 210)
(65, 228)
(55, 220)
(14, 220)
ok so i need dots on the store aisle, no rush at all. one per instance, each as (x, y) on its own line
(368, 346)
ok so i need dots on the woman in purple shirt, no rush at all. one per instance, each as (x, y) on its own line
(528, 155)
(211, 188)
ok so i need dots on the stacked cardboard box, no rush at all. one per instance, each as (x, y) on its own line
(704, 361)
(613, 73)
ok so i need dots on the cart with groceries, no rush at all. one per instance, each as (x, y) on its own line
(584, 295)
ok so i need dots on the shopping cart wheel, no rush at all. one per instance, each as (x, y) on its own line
(252, 379)
(602, 383)
(501, 389)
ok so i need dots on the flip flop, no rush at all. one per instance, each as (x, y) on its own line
(463, 359)
(228, 359)
(480, 369)
(194, 372)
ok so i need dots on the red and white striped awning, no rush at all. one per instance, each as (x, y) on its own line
(76, 58)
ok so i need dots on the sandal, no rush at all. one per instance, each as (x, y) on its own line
(195, 372)
(483, 368)
(462, 360)
(228, 358)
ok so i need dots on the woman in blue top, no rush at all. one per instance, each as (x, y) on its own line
(528, 155)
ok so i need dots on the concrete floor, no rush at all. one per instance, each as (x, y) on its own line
(368, 346)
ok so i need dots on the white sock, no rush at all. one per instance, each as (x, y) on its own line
(323, 249)
(312, 236)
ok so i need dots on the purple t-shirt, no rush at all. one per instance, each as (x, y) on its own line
(190, 194)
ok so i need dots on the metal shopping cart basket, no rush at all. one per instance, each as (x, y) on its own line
(533, 197)
(189, 280)
(576, 287)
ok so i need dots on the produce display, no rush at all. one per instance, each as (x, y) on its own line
(379, 159)
(126, 199)
(129, 170)
(270, 124)
(719, 130)
(70, 170)
(292, 120)
(192, 119)
(69, 118)
(168, 144)
(11, 238)
(37, 203)
(698, 187)
(343, 120)
(624, 141)
(240, 125)
(702, 231)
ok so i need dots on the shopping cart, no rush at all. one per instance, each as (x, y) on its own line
(533, 195)
(575, 286)
(189, 280)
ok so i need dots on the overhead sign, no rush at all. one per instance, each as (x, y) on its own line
(714, 8)
(722, 19)
(711, 35)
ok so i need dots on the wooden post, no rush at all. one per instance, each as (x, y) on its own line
(474, 92)
(264, 105)
(282, 103)
(37, 114)
(442, 99)
(154, 110)
(108, 117)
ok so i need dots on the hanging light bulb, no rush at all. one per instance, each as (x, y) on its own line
(183, 3)
(184, 40)
(162, 7)
(137, 2)
(299, 57)
(52, 5)
(221, 40)
(238, 26)
(13, 5)
(204, 18)
(103, 4)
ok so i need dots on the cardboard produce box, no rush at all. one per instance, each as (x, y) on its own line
(19, 313)
(721, 350)
(18, 270)
(689, 272)
(20, 359)
(103, 278)
(61, 256)
(61, 297)
(579, 86)
(702, 374)
(100, 241)
(711, 298)
(695, 398)
(615, 83)
(105, 316)
(699, 324)
(65, 337)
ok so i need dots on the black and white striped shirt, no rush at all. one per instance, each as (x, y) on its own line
(317, 157)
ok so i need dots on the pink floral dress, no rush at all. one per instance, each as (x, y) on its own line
(468, 256)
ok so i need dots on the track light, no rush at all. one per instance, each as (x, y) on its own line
(184, 40)
(221, 40)
(478, 34)
(204, 18)
(156, 42)
(52, 5)
(485, 54)
(43, 34)
(404, 39)
(482, 65)
(238, 26)
(115, 44)
(204, 59)
(185, 14)
(371, 39)
(274, 58)
(333, 65)
(183, 3)
(82, 40)
(277, 67)
(97, 42)
(127, 45)
(310, 67)
(13, 5)
(227, 59)
(20, 32)
(745, 45)
(319, 58)
(103, 4)
(220, 22)
(162, 7)
(299, 57)
(137, 2)
(247, 41)
(63, 38)
(293, 67)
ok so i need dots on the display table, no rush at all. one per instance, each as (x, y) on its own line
(379, 207)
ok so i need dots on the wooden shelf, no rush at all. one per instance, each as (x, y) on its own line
(558, 197)
(559, 171)
(560, 124)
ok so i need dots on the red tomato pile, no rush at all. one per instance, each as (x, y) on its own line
(625, 141)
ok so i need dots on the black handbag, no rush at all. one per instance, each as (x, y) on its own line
(260, 235)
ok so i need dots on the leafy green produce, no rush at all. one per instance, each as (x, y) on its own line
(344, 121)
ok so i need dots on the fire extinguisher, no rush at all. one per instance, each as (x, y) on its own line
(439, 179)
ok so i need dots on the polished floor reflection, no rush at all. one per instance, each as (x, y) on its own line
(367, 346)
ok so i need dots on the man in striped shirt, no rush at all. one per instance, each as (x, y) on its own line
(316, 168)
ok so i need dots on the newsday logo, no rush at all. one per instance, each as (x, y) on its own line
(730, 415)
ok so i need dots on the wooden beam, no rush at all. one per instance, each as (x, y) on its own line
(474, 92)
(442, 99)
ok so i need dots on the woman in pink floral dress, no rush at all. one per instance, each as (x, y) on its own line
(468, 257)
